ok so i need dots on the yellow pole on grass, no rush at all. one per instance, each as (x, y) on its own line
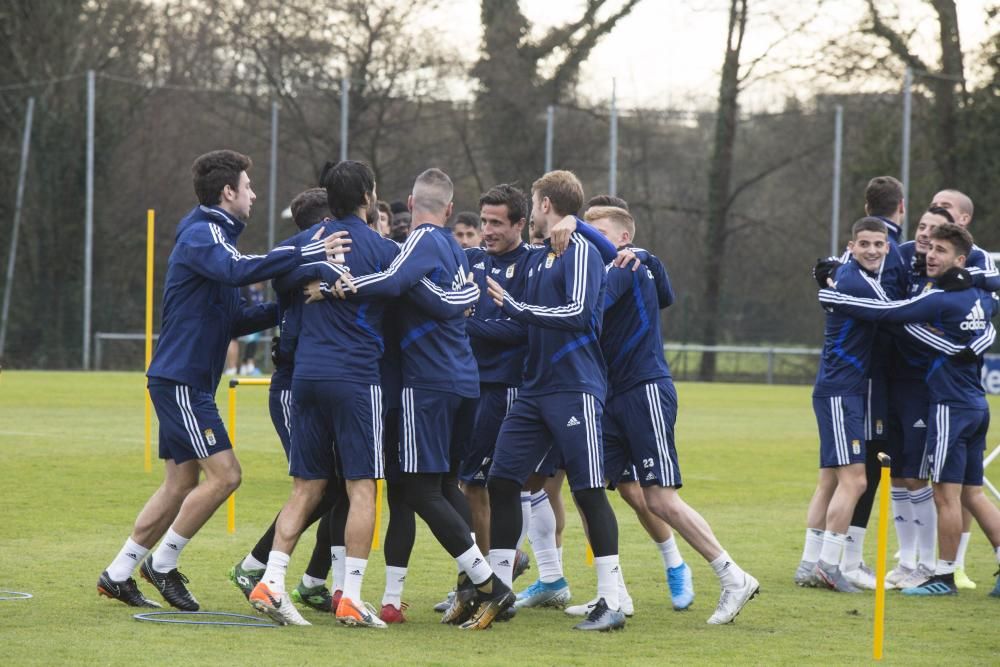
(231, 502)
(150, 224)
(883, 539)
(590, 556)
(379, 484)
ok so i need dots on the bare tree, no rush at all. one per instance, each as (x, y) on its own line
(513, 91)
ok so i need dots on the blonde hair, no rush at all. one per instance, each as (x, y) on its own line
(564, 190)
(618, 216)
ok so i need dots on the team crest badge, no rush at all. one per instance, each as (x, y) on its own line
(510, 271)
(210, 437)
(856, 446)
(549, 259)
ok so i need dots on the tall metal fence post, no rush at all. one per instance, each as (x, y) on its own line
(345, 101)
(550, 122)
(272, 185)
(838, 151)
(18, 202)
(905, 166)
(613, 145)
(88, 234)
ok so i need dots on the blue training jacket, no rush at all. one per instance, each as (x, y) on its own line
(435, 348)
(563, 304)
(631, 339)
(202, 306)
(945, 321)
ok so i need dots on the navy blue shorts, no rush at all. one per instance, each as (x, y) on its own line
(908, 408)
(435, 429)
(190, 425)
(956, 442)
(495, 401)
(877, 406)
(841, 421)
(279, 404)
(336, 427)
(567, 422)
(639, 435)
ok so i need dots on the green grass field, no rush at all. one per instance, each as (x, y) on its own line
(71, 449)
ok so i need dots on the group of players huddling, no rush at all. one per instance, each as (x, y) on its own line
(906, 327)
(472, 380)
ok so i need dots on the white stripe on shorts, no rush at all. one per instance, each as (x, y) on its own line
(408, 452)
(660, 431)
(376, 396)
(183, 396)
(593, 452)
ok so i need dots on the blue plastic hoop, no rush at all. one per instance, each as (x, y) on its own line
(158, 617)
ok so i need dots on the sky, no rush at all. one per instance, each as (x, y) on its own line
(668, 53)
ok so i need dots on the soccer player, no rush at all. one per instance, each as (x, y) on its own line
(466, 228)
(440, 383)
(399, 224)
(957, 433)
(839, 403)
(961, 208)
(309, 209)
(202, 312)
(560, 398)
(639, 421)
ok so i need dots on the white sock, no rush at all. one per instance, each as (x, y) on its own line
(622, 589)
(559, 551)
(925, 525)
(124, 564)
(502, 564)
(963, 546)
(833, 544)
(354, 575)
(730, 574)
(670, 553)
(608, 571)
(814, 544)
(395, 577)
(854, 544)
(251, 563)
(277, 567)
(311, 582)
(906, 534)
(337, 557)
(165, 556)
(474, 564)
(525, 517)
(945, 567)
(542, 533)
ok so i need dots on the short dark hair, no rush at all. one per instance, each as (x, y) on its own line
(467, 218)
(347, 182)
(607, 200)
(507, 195)
(214, 171)
(957, 235)
(387, 209)
(563, 189)
(310, 207)
(943, 212)
(883, 195)
(398, 207)
(868, 224)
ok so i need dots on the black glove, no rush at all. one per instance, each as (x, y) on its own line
(966, 356)
(825, 268)
(954, 280)
(276, 350)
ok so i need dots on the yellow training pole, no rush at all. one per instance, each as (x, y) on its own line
(231, 503)
(378, 512)
(883, 539)
(150, 224)
(590, 556)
